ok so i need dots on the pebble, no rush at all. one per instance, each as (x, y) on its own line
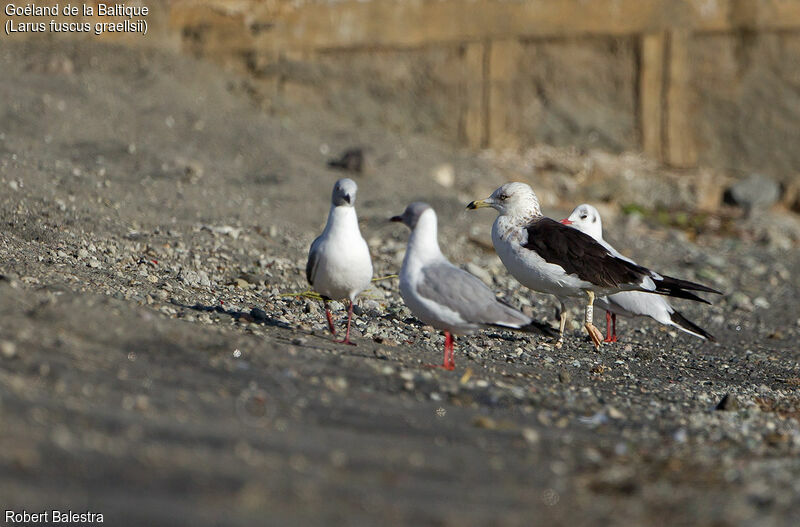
(258, 314)
(445, 175)
(754, 192)
(530, 435)
(727, 403)
(8, 349)
(613, 413)
(196, 278)
(761, 303)
(741, 301)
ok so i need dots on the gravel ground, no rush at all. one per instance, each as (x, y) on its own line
(158, 364)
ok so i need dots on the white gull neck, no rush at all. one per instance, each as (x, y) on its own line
(423, 244)
(342, 220)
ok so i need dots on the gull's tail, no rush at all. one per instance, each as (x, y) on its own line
(666, 285)
(682, 323)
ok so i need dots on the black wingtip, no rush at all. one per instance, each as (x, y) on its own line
(690, 327)
(680, 293)
(678, 288)
(676, 283)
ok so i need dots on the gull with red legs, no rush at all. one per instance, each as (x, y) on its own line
(444, 296)
(586, 218)
(339, 265)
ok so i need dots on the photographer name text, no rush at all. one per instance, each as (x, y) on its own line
(51, 516)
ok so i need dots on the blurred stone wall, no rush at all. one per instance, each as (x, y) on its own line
(689, 82)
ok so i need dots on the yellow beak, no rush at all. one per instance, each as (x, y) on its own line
(479, 204)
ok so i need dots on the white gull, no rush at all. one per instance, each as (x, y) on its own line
(444, 296)
(339, 265)
(586, 218)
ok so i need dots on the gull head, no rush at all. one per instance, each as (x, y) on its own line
(344, 193)
(586, 218)
(411, 215)
(512, 199)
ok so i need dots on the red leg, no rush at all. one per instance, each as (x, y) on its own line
(608, 328)
(330, 319)
(349, 319)
(614, 321)
(448, 363)
(452, 364)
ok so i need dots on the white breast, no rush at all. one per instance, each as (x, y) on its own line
(344, 267)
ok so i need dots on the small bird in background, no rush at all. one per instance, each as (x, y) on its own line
(547, 256)
(351, 160)
(586, 218)
(339, 265)
(444, 296)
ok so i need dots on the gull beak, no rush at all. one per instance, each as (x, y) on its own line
(565, 221)
(396, 218)
(480, 203)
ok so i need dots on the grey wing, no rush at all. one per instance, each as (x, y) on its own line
(313, 259)
(465, 294)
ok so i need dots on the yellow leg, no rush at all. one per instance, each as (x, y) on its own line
(594, 333)
(562, 323)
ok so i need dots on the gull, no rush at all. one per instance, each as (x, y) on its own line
(547, 256)
(339, 265)
(445, 296)
(586, 218)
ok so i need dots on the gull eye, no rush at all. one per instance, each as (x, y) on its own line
(583, 216)
(502, 197)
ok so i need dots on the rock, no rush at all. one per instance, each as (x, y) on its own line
(761, 302)
(259, 315)
(741, 301)
(484, 422)
(564, 377)
(8, 349)
(754, 192)
(195, 278)
(728, 403)
(351, 160)
(530, 435)
(445, 175)
(613, 413)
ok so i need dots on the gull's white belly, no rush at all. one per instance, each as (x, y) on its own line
(343, 271)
